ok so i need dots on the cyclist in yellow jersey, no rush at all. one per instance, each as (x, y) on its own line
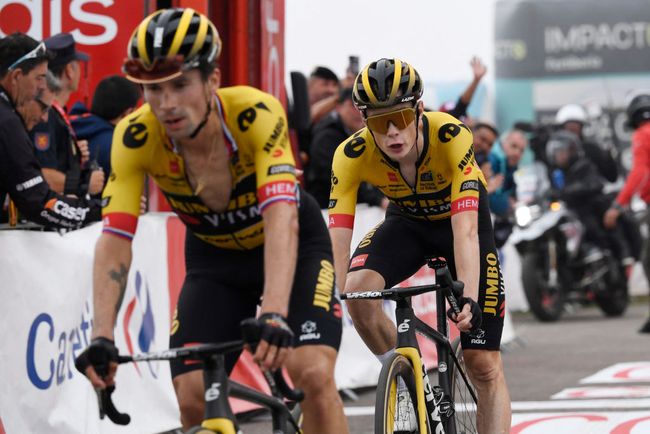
(424, 164)
(223, 160)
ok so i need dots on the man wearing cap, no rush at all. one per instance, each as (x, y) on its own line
(61, 155)
(23, 66)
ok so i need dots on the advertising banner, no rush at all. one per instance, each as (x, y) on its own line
(552, 53)
(47, 316)
(101, 28)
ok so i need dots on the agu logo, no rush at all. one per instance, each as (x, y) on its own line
(138, 323)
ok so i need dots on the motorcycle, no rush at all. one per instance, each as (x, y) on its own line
(559, 265)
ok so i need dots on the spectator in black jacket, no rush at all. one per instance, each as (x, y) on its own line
(572, 117)
(23, 65)
(328, 134)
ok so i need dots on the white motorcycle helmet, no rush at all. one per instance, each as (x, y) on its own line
(571, 113)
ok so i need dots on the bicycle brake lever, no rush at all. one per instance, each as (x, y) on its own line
(295, 395)
(107, 408)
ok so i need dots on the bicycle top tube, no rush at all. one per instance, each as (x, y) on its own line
(443, 276)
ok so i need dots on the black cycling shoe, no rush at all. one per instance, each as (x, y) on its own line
(646, 327)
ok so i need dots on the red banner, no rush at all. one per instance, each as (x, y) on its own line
(101, 28)
(272, 48)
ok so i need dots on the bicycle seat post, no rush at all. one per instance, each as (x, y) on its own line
(215, 380)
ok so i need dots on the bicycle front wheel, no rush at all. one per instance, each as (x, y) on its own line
(396, 411)
(461, 393)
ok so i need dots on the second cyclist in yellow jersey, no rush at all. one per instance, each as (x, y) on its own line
(447, 178)
(424, 164)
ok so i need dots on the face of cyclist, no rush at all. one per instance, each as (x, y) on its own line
(180, 104)
(396, 141)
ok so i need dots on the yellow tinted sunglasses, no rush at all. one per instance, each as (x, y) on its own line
(400, 118)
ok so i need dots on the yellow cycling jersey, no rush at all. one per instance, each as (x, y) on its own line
(261, 164)
(447, 180)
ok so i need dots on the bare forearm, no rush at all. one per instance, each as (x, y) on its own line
(466, 97)
(467, 254)
(55, 179)
(341, 239)
(280, 256)
(110, 274)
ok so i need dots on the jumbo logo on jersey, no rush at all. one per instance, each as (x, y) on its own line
(139, 320)
(468, 158)
(135, 135)
(355, 146)
(246, 118)
(448, 132)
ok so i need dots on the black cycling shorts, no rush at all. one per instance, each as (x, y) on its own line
(223, 287)
(397, 247)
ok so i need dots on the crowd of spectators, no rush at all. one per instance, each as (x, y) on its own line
(69, 150)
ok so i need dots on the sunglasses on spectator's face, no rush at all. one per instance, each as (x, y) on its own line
(39, 51)
(400, 118)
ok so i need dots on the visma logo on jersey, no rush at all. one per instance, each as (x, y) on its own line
(52, 345)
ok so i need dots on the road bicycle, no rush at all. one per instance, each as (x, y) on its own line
(447, 407)
(219, 418)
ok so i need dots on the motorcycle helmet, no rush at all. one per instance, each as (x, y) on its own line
(638, 110)
(563, 149)
(571, 113)
(384, 83)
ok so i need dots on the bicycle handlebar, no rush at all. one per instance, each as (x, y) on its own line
(444, 282)
(276, 381)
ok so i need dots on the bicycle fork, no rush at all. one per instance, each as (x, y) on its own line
(407, 346)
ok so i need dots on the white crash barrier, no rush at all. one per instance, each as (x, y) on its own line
(47, 317)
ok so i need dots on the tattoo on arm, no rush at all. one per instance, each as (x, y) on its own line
(120, 277)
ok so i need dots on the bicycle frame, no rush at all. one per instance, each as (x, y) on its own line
(218, 414)
(218, 387)
(407, 345)
(431, 407)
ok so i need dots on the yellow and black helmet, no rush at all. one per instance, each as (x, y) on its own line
(168, 42)
(385, 83)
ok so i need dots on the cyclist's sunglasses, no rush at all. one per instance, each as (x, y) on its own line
(161, 69)
(39, 51)
(400, 118)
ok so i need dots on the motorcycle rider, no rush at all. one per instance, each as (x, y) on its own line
(572, 117)
(577, 181)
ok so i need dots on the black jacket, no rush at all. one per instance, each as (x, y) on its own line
(329, 133)
(22, 179)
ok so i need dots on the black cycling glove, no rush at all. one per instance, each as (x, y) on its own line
(477, 316)
(275, 330)
(99, 354)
